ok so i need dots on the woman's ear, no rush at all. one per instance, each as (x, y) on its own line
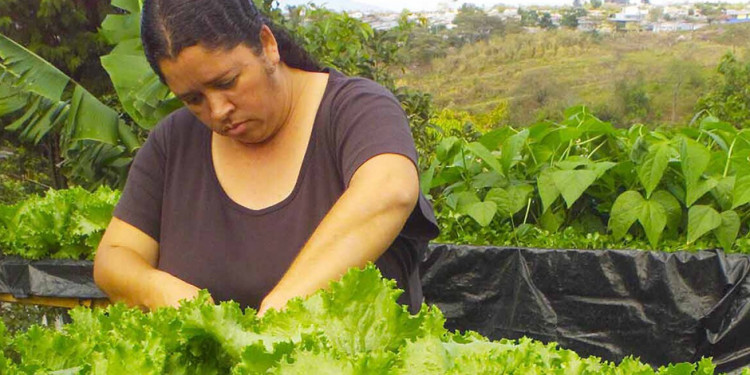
(270, 46)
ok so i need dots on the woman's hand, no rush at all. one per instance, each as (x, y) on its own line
(367, 217)
(125, 269)
(169, 291)
(272, 301)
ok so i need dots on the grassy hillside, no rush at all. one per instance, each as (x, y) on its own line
(625, 77)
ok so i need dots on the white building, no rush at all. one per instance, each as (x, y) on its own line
(661, 27)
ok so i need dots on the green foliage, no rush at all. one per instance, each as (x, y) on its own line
(473, 25)
(463, 124)
(529, 18)
(22, 172)
(139, 90)
(540, 74)
(545, 21)
(63, 32)
(632, 96)
(65, 224)
(41, 102)
(570, 16)
(729, 98)
(356, 327)
(581, 173)
(16, 317)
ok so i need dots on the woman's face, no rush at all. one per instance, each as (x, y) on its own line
(234, 92)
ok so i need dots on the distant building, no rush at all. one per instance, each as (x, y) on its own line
(737, 16)
(661, 27)
(629, 18)
(382, 21)
(509, 14)
(676, 12)
(586, 24)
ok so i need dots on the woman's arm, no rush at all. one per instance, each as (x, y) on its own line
(358, 228)
(125, 269)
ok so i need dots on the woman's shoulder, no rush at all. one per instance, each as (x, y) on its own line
(179, 130)
(347, 88)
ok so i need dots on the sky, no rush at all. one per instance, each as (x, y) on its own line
(426, 5)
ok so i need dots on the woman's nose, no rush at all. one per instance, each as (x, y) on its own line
(219, 106)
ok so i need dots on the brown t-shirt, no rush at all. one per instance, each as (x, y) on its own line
(205, 238)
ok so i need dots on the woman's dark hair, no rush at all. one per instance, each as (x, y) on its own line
(169, 26)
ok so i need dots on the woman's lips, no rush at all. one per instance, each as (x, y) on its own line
(236, 129)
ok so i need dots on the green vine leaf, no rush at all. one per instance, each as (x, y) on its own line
(512, 149)
(572, 184)
(723, 192)
(697, 189)
(625, 211)
(701, 220)
(547, 190)
(727, 232)
(511, 200)
(460, 201)
(654, 165)
(653, 218)
(742, 185)
(479, 150)
(694, 159)
(671, 205)
(482, 212)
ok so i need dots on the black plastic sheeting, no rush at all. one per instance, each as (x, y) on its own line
(661, 307)
(48, 278)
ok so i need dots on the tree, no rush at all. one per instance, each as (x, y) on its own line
(529, 18)
(633, 98)
(655, 14)
(473, 24)
(63, 32)
(685, 78)
(44, 104)
(570, 17)
(729, 100)
(545, 21)
(596, 4)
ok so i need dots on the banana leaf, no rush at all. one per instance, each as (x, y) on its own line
(36, 97)
(139, 90)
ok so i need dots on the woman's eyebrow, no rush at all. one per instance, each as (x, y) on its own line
(217, 78)
(209, 82)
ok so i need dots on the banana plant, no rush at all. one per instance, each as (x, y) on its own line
(138, 88)
(41, 100)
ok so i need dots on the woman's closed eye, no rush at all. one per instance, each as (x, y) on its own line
(192, 99)
(227, 84)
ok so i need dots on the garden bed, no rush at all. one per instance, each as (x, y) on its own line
(661, 307)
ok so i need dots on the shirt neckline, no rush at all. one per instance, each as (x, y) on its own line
(208, 158)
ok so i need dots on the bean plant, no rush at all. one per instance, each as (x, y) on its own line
(684, 185)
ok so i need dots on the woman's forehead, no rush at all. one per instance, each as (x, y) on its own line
(199, 64)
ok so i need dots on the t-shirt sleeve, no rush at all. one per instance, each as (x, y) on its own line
(369, 122)
(141, 200)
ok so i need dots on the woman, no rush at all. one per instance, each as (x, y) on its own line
(275, 178)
